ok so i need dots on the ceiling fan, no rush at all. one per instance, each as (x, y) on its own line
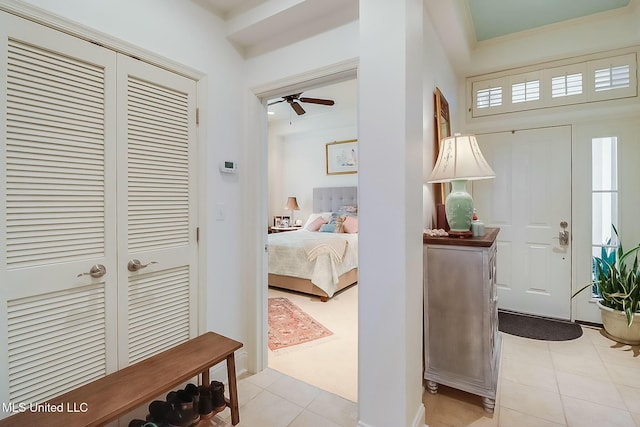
(295, 100)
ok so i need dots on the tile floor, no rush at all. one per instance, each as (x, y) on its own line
(591, 381)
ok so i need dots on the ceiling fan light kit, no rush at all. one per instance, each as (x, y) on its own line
(295, 100)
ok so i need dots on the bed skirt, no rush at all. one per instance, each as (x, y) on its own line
(304, 285)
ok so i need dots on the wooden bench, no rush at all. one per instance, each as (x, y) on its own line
(116, 394)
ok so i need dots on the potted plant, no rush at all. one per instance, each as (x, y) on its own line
(618, 287)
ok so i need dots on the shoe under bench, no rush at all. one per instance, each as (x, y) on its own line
(105, 399)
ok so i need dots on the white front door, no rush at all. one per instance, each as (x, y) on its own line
(528, 200)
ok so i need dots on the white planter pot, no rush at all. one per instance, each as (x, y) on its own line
(615, 326)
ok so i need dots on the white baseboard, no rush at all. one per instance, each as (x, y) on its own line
(219, 372)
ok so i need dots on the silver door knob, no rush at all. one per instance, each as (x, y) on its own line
(135, 265)
(96, 271)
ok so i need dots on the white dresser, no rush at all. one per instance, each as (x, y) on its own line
(461, 339)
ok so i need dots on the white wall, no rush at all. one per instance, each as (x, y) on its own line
(438, 72)
(297, 156)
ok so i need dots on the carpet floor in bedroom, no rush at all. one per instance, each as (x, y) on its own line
(329, 363)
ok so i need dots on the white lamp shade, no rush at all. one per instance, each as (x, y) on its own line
(460, 158)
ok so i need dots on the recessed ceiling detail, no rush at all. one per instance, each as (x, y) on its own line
(495, 18)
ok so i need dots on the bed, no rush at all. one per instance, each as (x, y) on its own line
(318, 262)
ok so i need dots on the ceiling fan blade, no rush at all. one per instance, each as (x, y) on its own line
(276, 102)
(318, 101)
(297, 108)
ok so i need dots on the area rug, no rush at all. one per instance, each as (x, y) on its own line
(289, 325)
(537, 328)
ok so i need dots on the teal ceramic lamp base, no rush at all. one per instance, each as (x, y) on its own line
(459, 209)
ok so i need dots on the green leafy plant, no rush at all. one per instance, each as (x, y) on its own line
(616, 283)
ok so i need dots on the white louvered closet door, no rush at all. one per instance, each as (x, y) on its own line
(156, 209)
(57, 207)
(97, 167)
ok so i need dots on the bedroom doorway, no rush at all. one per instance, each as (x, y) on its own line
(296, 163)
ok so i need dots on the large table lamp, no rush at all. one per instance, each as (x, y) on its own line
(459, 161)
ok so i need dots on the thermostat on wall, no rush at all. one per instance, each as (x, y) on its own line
(228, 166)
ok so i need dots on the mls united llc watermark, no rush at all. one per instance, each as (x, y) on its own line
(69, 407)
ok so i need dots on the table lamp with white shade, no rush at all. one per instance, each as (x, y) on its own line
(459, 161)
(292, 205)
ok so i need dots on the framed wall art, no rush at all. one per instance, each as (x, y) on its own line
(342, 157)
(442, 130)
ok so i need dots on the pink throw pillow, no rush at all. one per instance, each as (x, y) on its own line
(350, 224)
(316, 224)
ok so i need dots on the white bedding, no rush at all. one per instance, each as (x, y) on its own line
(289, 255)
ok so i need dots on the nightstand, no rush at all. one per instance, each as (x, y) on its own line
(283, 229)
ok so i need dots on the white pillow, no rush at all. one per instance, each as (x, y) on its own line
(314, 216)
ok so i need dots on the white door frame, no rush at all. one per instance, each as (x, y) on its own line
(335, 73)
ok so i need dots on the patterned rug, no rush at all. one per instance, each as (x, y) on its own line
(289, 325)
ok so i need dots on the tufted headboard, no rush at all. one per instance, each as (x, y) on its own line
(330, 199)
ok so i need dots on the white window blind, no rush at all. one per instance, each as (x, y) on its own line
(491, 97)
(526, 91)
(567, 85)
(612, 78)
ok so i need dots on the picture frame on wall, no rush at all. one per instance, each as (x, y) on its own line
(342, 157)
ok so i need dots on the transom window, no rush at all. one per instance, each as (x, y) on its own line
(559, 84)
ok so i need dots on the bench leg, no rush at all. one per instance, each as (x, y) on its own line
(205, 377)
(233, 389)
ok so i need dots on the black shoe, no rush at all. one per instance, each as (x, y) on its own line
(188, 405)
(205, 408)
(137, 423)
(217, 396)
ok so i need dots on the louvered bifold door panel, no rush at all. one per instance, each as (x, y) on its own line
(56, 192)
(158, 206)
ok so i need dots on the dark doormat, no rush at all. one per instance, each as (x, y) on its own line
(537, 328)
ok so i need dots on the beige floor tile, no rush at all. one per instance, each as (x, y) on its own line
(582, 346)
(511, 418)
(264, 378)
(621, 374)
(526, 352)
(597, 337)
(533, 401)
(620, 354)
(335, 408)
(455, 408)
(295, 391)
(514, 369)
(309, 419)
(268, 410)
(589, 389)
(246, 391)
(588, 365)
(631, 397)
(581, 413)
(527, 342)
